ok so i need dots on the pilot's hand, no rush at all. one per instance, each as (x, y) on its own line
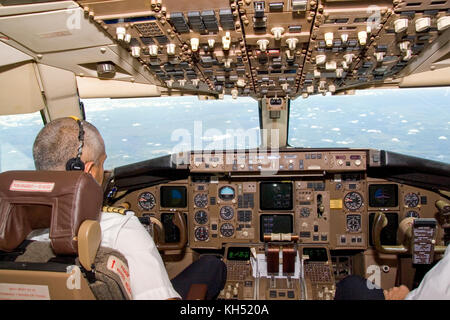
(396, 293)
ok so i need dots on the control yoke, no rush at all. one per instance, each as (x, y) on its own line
(179, 221)
(416, 237)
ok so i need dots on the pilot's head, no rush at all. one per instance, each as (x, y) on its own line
(58, 142)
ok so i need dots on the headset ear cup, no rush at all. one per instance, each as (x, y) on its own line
(75, 164)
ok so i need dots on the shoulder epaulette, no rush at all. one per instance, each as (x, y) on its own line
(120, 210)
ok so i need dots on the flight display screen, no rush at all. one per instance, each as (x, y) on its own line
(275, 195)
(316, 254)
(383, 195)
(238, 253)
(173, 197)
(275, 223)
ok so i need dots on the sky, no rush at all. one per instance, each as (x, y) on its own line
(410, 121)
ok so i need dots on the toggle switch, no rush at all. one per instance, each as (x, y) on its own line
(339, 72)
(234, 93)
(400, 25)
(127, 38)
(330, 66)
(344, 65)
(227, 63)
(329, 39)
(332, 88)
(344, 37)
(404, 45)
(408, 55)
(316, 73)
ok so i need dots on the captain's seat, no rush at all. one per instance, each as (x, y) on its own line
(72, 265)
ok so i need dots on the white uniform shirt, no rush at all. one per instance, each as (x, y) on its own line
(124, 233)
(436, 283)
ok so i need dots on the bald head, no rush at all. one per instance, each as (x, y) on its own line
(58, 142)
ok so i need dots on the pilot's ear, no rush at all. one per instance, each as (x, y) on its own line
(88, 167)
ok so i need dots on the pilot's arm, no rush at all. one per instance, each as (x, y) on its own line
(148, 276)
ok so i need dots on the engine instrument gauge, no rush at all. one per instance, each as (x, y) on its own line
(227, 230)
(201, 200)
(411, 200)
(226, 213)
(201, 233)
(201, 217)
(304, 212)
(353, 200)
(146, 201)
(353, 223)
(412, 214)
(226, 193)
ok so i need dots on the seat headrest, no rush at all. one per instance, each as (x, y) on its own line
(59, 200)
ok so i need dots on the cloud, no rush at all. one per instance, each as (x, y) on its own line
(395, 140)
(354, 121)
(442, 138)
(136, 124)
(373, 131)
(327, 140)
(363, 115)
(336, 129)
(413, 131)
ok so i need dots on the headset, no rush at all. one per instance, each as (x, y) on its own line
(74, 164)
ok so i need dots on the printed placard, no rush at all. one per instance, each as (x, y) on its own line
(16, 291)
(31, 186)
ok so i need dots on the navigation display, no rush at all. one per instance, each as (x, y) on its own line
(275, 223)
(173, 197)
(275, 195)
(383, 195)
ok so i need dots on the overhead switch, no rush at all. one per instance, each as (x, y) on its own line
(423, 24)
(329, 39)
(362, 38)
(443, 23)
(400, 25)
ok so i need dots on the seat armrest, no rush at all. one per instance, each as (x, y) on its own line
(89, 239)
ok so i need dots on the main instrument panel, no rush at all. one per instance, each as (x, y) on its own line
(323, 197)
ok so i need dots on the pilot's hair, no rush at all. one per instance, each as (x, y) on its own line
(58, 142)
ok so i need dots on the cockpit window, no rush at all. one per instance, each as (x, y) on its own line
(17, 134)
(409, 121)
(144, 128)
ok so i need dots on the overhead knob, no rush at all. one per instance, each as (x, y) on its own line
(234, 93)
(379, 56)
(194, 44)
(170, 49)
(423, 24)
(120, 33)
(226, 41)
(332, 88)
(136, 51)
(401, 25)
(320, 59)
(344, 65)
(362, 37)
(316, 73)
(292, 43)
(262, 44)
(329, 39)
(349, 58)
(153, 50)
(443, 23)
(277, 32)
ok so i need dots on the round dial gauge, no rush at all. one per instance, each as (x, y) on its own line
(411, 200)
(353, 222)
(413, 214)
(227, 230)
(226, 213)
(146, 201)
(201, 200)
(304, 212)
(226, 193)
(201, 233)
(353, 200)
(201, 217)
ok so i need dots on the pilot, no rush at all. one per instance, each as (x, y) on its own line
(434, 286)
(63, 139)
